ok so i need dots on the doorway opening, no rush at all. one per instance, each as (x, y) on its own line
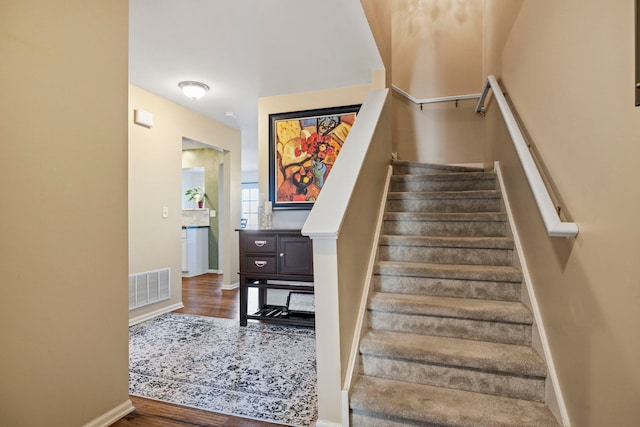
(202, 234)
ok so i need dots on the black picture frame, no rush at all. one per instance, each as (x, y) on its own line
(303, 145)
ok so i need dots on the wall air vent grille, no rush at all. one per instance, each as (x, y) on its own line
(149, 287)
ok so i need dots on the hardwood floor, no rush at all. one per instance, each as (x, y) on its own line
(201, 295)
(151, 413)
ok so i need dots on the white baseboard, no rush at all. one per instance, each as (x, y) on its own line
(156, 313)
(231, 286)
(214, 271)
(112, 416)
(322, 423)
(544, 342)
(188, 275)
(346, 409)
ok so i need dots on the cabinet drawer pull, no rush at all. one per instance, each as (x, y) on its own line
(260, 264)
(260, 243)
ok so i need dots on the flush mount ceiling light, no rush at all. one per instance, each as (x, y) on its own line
(193, 90)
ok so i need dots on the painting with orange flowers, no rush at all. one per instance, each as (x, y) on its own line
(303, 147)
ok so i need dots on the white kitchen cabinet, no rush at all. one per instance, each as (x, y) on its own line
(195, 251)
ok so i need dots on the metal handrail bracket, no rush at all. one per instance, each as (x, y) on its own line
(555, 226)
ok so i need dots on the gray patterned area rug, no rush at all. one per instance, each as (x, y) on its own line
(260, 371)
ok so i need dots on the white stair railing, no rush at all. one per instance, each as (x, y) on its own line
(420, 102)
(555, 226)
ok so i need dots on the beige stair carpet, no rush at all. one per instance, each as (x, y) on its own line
(448, 340)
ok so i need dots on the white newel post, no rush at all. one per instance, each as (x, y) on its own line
(325, 267)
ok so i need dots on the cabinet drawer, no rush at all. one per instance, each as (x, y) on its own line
(260, 243)
(260, 264)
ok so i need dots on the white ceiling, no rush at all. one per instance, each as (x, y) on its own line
(246, 49)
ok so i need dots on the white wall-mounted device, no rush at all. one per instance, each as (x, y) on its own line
(143, 118)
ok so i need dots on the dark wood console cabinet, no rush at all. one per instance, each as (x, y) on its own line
(275, 259)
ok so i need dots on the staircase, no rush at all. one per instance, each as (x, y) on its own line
(449, 342)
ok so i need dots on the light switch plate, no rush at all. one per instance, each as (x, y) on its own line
(212, 213)
(165, 212)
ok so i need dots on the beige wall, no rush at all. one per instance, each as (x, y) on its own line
(63, 222)
(155, 174)
(440, 133)
(499, 16)
(437, 47)
(379, 17)
(568, 67)
(437, 52)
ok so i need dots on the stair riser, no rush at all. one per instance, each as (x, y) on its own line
(507, 333)
(502, 274)
(421, 170)
(443, 205)
(371, 420)
(440, 255)
(454, 377)
(440, 185)
(502, 291)
(410, 404)
(446, 228)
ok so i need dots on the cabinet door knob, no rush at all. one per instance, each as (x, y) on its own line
(281, 253)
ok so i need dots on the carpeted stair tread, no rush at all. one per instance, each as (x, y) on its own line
(448, 242)
(481, 355)
(449, 271)
(444, 216)
(448, 341)
(470, 224)
(458, 288)
(459, 308)
(434, 166)
(440, 195)
(451, 181)
(418, 404)
(457, 176)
